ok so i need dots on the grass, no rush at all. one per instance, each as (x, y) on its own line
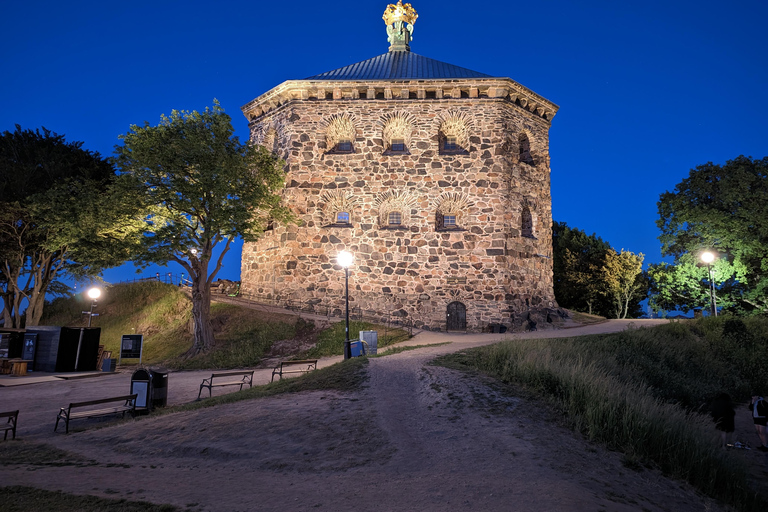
(162, 313)
(24, 499)
(638, 391)
(331, 341)
(396, 350)
(586, 318)
(39, 454)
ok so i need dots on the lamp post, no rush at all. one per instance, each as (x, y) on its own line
(708, 257)
(94, 293)
(345, 259)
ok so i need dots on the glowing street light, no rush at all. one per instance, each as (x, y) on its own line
(708, 257)
(345, 259)
(94, 293)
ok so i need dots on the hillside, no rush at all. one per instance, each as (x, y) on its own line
(245, 337)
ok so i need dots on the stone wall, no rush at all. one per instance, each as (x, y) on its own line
(493, 263)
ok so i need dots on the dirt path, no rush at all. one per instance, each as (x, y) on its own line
(417, 437)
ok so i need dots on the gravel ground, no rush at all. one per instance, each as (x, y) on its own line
(416, 437)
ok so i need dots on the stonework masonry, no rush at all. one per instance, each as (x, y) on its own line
(464, 169)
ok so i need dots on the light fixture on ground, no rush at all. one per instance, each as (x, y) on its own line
(345, 259)
(708, 257)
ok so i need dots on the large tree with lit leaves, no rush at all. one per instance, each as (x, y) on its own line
(721, 208)
(201, 187)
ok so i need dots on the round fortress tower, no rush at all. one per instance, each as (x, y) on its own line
(434, 176)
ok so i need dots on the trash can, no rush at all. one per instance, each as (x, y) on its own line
(356, 348)
(372, 339)
(140, 385)
(159, 388)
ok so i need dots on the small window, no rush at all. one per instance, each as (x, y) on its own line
(398, 145)
(450, 143)
(525, 150)
(449, 221)
(344, 146)
(395, 219)
(342, 218)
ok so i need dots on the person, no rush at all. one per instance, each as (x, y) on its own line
(759, 408)
(723, 414)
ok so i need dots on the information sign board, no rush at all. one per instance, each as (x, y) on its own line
(131, 346)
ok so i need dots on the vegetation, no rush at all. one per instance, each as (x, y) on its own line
(200, 188)
(56, 218)
(723, 209)
(161, 312)
(590, 276)
(639, 391)
(22, 499)
(331, 341)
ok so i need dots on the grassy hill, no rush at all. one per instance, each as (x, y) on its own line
(162, 313)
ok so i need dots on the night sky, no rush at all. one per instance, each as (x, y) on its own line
(647, 90)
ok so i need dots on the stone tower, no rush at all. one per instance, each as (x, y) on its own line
(434, 176)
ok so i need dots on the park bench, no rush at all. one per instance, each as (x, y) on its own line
(66, 414)
(10, 424)
(297, 366)
(247, 378)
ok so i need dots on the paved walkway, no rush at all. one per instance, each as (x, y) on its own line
(39, 396)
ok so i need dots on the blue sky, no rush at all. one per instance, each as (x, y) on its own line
(647, 90)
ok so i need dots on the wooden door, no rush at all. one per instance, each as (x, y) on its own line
(456, 317)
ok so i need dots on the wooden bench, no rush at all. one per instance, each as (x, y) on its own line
(129, 405)
(305, 365)
(12, 416)
(247, 378)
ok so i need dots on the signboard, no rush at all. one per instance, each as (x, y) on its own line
(30, 343)
(131, 346)
(456, 280)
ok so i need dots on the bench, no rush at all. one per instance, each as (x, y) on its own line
(304, 365)
(66, 414)
(10, 424)
(247, 378)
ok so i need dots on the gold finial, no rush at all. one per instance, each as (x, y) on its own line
(399, 12)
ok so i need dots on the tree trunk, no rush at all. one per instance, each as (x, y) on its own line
(201, 318)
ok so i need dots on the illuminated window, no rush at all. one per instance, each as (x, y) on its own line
(395, 219)
(342, 218)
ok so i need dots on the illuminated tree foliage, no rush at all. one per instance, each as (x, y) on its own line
(725, 209)
(202, 188)
(624, 281)
(56, 218)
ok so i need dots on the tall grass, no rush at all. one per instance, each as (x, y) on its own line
(637, 391)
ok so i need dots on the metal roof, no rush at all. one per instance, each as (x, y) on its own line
(398, 65)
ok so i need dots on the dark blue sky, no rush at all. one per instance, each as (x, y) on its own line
(647, 90)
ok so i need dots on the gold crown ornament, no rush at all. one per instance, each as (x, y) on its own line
(399, 12)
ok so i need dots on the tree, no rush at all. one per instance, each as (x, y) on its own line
(721, 208)
(55, 218)
(624, 280)
(578, 260)
(202, 188)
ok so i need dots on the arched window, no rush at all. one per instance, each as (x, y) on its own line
(451, 211)
(526, 223)
(453, 138)
(525, 149)
(339, 134)
(397, 129)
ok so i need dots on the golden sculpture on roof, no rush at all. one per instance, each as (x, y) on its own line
(399, 12)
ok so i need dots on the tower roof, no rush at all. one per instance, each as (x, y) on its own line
(398, 65)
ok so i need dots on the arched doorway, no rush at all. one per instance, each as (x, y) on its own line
(456, 317)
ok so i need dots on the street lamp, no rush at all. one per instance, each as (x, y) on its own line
(94, 293)
(708, 257)
(345, 259)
